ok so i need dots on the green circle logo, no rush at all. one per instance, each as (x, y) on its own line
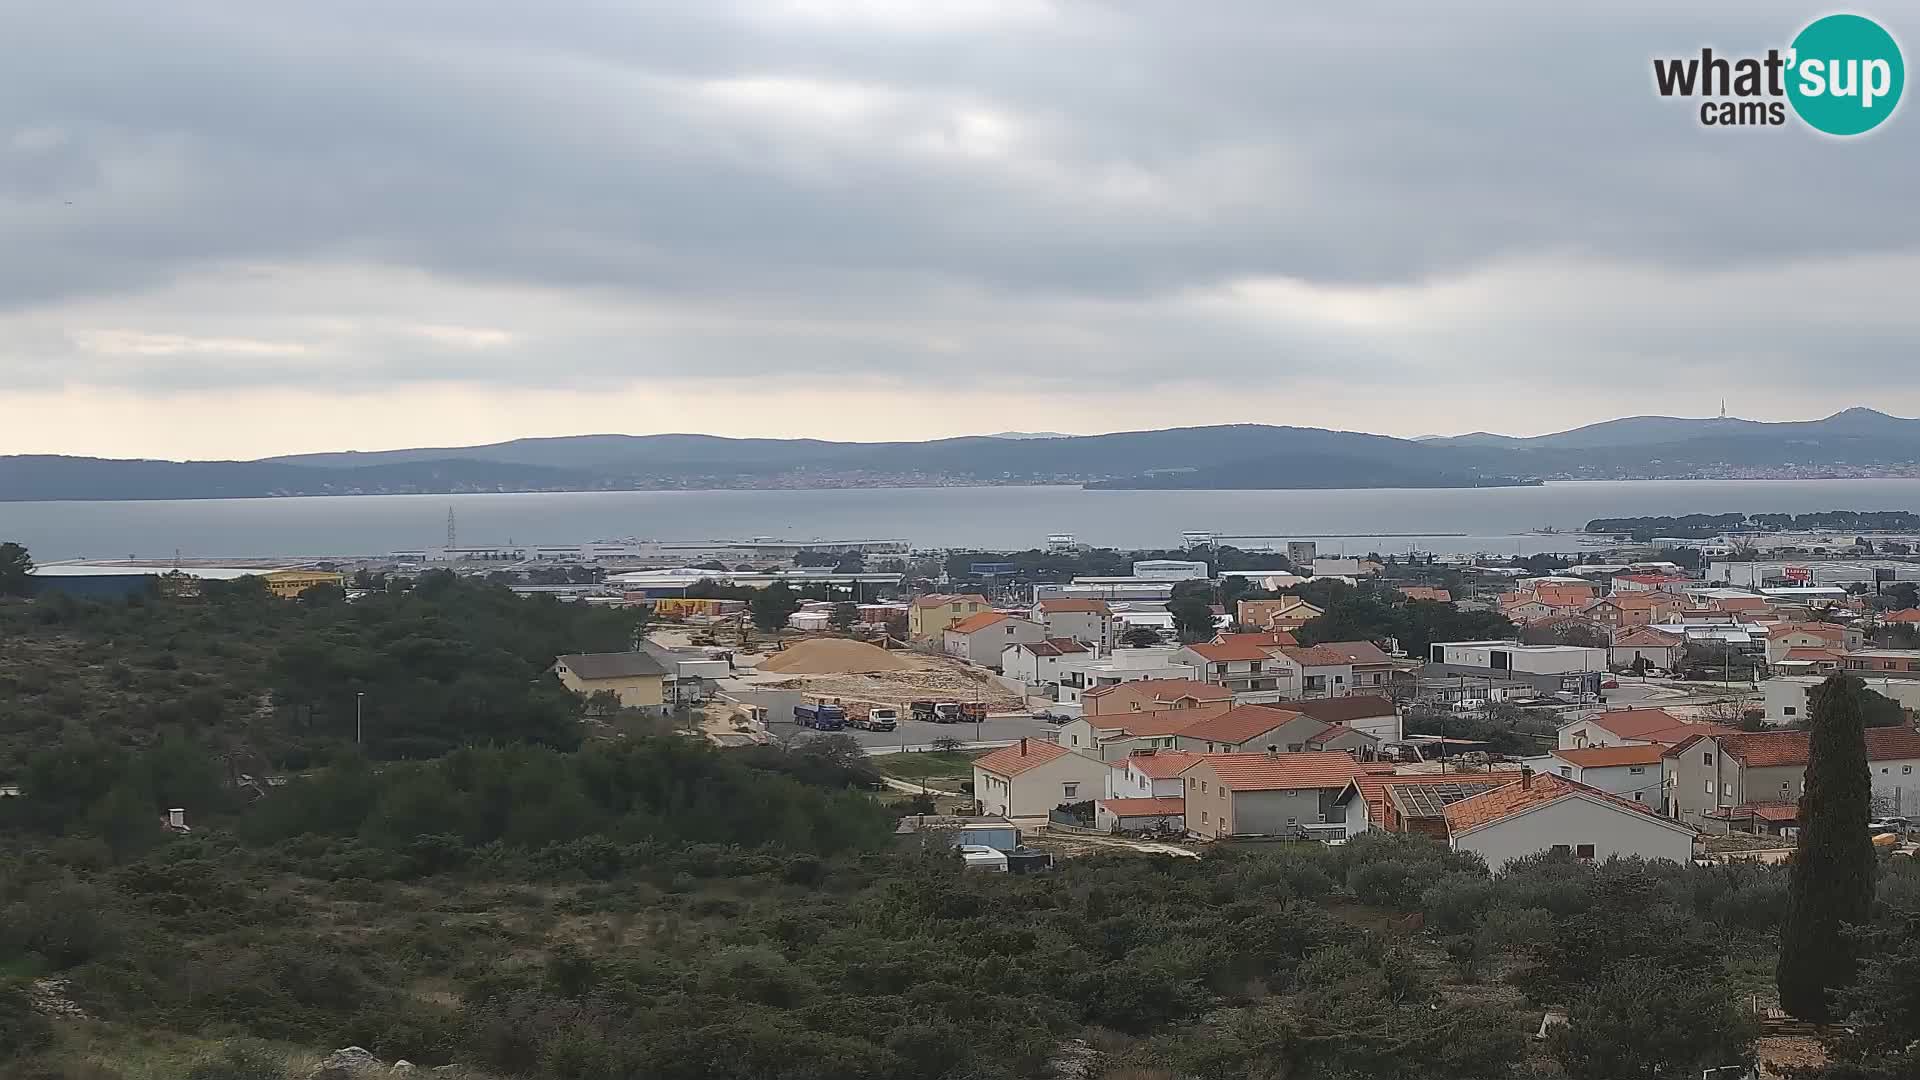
(1846, 75)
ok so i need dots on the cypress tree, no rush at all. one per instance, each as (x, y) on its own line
(1831, 883)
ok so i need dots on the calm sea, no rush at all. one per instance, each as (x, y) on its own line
(1500, 520)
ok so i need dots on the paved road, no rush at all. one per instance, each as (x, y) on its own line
(919, 735)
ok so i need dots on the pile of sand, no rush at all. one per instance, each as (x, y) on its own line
(832, 656)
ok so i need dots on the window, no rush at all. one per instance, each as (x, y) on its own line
(1638, 796)
(1203, 787)
(1790, 710)
(1727, 790)
(1075, 738)
(1070, 790)
(1906, 770)
(1709, 787)
(1636, 770)
(1223, 794)
(1562, 849)
(1203, 817)
(1706, 759)
(1584, 851)
(1291, 822)
(1566, 771)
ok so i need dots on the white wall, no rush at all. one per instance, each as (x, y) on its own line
(1574, 821)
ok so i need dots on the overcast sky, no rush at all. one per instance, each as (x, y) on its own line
(232, 228)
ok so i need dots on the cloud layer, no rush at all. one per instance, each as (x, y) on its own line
(244, 228)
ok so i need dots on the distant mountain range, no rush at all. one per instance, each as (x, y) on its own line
(1854, 442)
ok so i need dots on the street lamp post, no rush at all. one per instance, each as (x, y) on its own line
(359, 700)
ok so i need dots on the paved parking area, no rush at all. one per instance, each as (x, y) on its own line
(919, 734)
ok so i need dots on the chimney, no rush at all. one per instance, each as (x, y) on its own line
(1023, 746)
(1526, 776)
(1273, 751)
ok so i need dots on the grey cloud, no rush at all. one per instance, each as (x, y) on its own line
(1153, 153)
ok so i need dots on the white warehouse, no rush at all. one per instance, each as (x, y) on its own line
(1524, 659)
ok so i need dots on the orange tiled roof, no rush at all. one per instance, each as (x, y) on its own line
(1528, 792)
(1904, 615)
(1165, 804)
(1282, 772)
(1146, 725)
(1161, 764)
(1600, 757)
(1357, 652)
(1426, 592)
(974, 623)
(1806, 652)
(1021, 756)
(1772, 749)
(1334, 731)
(1343, 710)
(1316, 656)
(1166, 690)
(1223, 653)
(1266, 639)
(1239, 724)
(1635, 723)
(1647, 636)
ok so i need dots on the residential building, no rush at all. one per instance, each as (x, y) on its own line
(1411, 803)
(1155, 695)
(1079, 679)
(929, 616)
(1040, 663)
(1808, 662)
(1524, 607)
(1710, 776)
(1630, 727)
(1632, 609)
(1166, 814)
(1787, 695)
(1376, 715)
(1265, 794)
(1885, 663)
(1246, 670)
(638, 680)
(1658, 649)
(1323, 670)
(1903, 617)
(289, 584)
(1667, 583)
(1259, 728)
(1286, 613)
(1815, 635)
(1090, 622)
(1632, 772)
(1115, 738)
(1552, 813)
(1147, 774)
(1265, 639)
(1030, 778)
(1426, 592)
(1565, 597)
(981, 639)
(1372, 670)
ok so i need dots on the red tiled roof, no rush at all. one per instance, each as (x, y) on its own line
(1021, 756)
(1334, 731)
(1343, 710)
(1316, 656)
(1357, 652)
(1772, 749)
(1052, 647)
(1426, 592)
(1161, 764)
(1156, 807)
(1146, 725)
(1373, 786)
(1806, 652)
(1060, 605)
(1739, 603)
(1828, 631)
(1600, 757)
(1563, 595)
(973, 623)
(1282, 772)
(1770, 811)
(1167, 690)
(1266, 639)
(1647, 637)
(1542, 788)
(944, 599)
(1904, 615)
(1220, 654)
(1626, 600)
(1239, 724)
(1653, 725)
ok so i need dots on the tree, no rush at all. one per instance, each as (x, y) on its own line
(773, 606)
(1831, 882)
(1565, 632)
(1140, 637)
(845, 614)
(1192, 612)
(1637, 1019)
(16, 569)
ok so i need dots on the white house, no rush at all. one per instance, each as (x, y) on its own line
(1630, 727)
(1122, 666)
(1039, 663)
(981, 639)
(1632, 772)
(1031, 777)
(1148, 774)
(1657, 647)
(1376, 715)
(1089, 622)
(1551, 813)
(1787, 694)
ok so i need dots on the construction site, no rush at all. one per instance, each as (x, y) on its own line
(857, 671)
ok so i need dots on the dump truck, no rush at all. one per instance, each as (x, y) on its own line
(872, 716)
(820, 715)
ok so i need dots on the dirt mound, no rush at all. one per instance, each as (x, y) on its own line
(832, 656)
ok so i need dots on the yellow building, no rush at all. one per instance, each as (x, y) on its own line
(635, 678)
(930, 615)
(291, 583)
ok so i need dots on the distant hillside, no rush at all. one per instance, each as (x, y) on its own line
(1228, 456)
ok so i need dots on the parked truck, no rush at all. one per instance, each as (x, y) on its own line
(950, 712)
(872, 716)
(820, 715)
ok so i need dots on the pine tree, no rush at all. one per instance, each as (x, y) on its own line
(1831, 883)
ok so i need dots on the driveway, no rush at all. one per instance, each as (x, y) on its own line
(918, 735)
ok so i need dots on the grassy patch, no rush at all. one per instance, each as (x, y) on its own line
(954, 765)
